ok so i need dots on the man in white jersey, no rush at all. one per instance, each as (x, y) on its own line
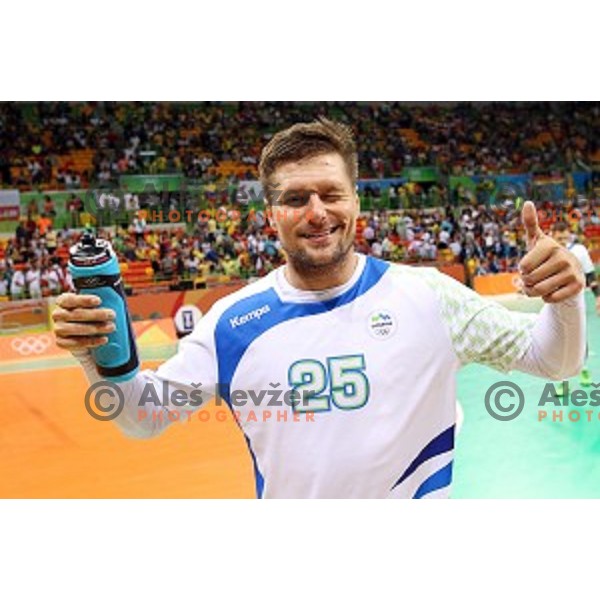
(17, 285)
(341, 367)
(562, 234)
(33, 278)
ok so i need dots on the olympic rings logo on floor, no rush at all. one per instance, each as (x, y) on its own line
(31, 345)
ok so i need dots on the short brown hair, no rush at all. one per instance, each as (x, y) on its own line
(305, 140)
(560, 226)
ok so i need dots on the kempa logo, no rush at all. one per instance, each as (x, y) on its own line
(255, 314)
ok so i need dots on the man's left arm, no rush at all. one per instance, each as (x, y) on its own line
(549, 271)
(550, 344)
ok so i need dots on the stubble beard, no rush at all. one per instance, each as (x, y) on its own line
(305, 264)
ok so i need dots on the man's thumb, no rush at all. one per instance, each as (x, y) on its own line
(530, 222)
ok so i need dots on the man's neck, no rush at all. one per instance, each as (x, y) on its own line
(324, 278)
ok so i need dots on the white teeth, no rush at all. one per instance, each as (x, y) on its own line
(321, 233)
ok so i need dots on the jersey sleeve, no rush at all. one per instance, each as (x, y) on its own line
(194, 367)
(481, 330)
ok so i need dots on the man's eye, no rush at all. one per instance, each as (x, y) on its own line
(295, 200)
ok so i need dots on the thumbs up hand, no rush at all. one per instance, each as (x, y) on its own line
(547, 270)
(529, 219)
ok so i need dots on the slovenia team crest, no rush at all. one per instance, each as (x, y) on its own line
(381, 324)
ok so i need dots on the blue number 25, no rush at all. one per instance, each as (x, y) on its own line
(343, 382)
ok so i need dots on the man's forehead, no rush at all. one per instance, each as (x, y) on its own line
(326, 169)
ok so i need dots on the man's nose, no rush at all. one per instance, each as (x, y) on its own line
(317, 210)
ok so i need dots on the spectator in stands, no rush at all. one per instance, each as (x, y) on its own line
(51, 280)
(17, 285)
(43, 222)
(51, 240)
(74, 209)
(32, 210)
(33, 279)
(4, 282)
(21, 233)
(139, 226)
(192, 264)
(49, 208)
(167, 266)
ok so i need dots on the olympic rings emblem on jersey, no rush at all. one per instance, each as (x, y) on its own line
(31, 345)
(382, 324)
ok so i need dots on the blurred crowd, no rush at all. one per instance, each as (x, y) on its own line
(197, 139)
(72, 145)
(484, 239)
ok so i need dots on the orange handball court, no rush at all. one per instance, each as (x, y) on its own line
(52, 448)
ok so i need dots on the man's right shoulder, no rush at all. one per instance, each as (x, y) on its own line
(248, 291)
(225, 309)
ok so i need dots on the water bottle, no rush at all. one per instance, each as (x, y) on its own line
(95, 270)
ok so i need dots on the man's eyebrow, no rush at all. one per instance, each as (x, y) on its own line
(323, 185)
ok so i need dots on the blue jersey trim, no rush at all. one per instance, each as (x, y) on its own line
(444, 442)
(265, 310)
(259, 481)
(437, 481)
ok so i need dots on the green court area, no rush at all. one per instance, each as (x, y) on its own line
(528, 457)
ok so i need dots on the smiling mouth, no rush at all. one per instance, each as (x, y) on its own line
(319, 235)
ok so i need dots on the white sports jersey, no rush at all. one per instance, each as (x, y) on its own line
(33, 277)
(583, 256)
(17, 284)
(369, 368)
